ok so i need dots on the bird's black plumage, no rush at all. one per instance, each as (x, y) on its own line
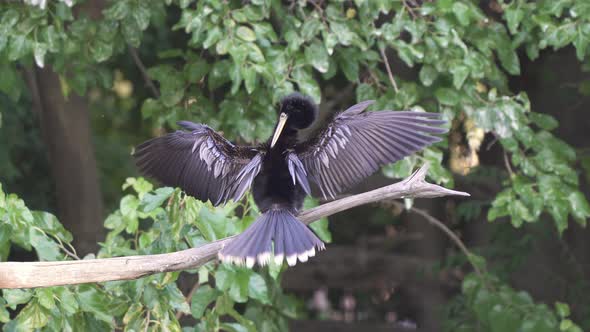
(342, 153)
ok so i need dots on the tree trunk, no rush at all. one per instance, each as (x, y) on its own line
(66, 132)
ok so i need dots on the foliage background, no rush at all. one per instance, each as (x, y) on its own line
(81, 83)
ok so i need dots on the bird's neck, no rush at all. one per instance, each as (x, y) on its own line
(287, 140)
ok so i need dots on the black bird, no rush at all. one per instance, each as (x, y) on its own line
(349, 148)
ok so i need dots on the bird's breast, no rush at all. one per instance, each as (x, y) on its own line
(274, 184)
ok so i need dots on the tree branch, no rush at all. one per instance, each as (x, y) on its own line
(440, 225)
(144, 73)
(45, 274)
(389, 73)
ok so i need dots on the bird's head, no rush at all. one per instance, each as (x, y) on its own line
(296, 111)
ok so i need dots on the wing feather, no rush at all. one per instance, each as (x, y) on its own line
(357, 143)
(201, 162)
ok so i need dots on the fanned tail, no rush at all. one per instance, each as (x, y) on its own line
(291, 238)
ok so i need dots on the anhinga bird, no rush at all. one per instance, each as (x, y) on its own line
(349, 148)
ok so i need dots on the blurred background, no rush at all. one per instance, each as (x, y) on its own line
(83, 82)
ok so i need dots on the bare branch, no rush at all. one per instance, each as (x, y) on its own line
(188, 298)
(440, 225)
(389, 73)
(507, 164)
(144, 73)
(45, 274)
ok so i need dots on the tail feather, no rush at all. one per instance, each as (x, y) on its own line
(279, 244)
(252, 243)
(278, 228)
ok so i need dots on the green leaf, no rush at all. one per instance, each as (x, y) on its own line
(579, 206)
(15, 297)
(3, 41)
(321, 229)
(4, 314)
(348, 62)
(93, 301)
(343, 33)
(118, 11)
(245, 33)
(172, 85)
(202, 297)
(445, 5)
(294, 40)
(257, 288)
(513, 17)
(101, 51)
(176, 299)
(428, 75)
(234, 327)
(218, 75)
(400, 169)
(151, 201)
(544, 121)
(509, 59)
(317, 56)
(131, 31)
(142, 14)
(563, 310)
(45, 247)
(238, 290)
(213, 36)
(503, 318)
(39, 51)
(255, 54)
(559, 211)
(264, 31)
(409, 53)
(447, 96)
(462, 13)
(45, 297)
(150, 108)
(565, 325)
(249, 75)
(310, 28)
(560, 36)
(49, 223)
(330, 41)
(460, 73)
(18, 47)
(67, 300)
(196, 70)
(307, 84)
(582, 40)
(224, 279)
(33, 316)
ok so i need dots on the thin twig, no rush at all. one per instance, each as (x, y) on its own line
(188, 298)
(410, 10)
(45, 274)
(440, 225)
(492, 142)
(507, 163)
(147, 319)
(389, 73)
(144, 73)
(69, 253)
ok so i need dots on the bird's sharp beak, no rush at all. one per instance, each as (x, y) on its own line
(280, 125)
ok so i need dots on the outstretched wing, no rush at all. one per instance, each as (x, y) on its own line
(357, 143)
(200, 162)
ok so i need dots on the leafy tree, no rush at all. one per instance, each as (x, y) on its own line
(226, 63)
